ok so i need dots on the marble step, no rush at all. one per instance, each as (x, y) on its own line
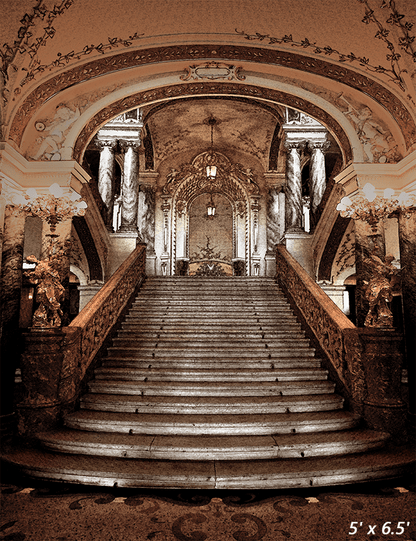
(210, 424)
(114, 361)
(211, 353)
(178, 374)
(199, 389)
(212, 447)
(210, 327)
(205, 319)
(186, 334)
(212, 405)
(197, 307)
(127, 340)
(255, 474)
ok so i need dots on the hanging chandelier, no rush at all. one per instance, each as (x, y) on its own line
(211, 208)
(211, 167)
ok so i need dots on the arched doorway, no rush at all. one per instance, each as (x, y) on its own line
(211, 237)
(224, 242)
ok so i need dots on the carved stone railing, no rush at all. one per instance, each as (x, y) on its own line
(367, 361)
(55, 361)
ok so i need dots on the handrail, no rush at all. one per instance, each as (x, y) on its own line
(55, 362)
(98, 317)
(337, 335)
(367, 361)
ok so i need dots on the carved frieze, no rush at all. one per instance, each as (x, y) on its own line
(213, 71)
(260, 55)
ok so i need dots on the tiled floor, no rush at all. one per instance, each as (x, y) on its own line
(46, 512)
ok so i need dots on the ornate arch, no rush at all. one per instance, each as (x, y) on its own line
(232, 180)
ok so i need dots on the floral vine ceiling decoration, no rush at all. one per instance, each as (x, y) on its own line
(29, 43)
(394, 73)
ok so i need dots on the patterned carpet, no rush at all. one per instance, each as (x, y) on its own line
(46, 512)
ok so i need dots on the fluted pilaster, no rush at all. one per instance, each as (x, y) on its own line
(293, 186)
(130, 186)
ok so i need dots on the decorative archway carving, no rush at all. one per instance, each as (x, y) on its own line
(233, 181)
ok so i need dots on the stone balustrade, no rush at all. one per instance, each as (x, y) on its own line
(56, 361)
(367, 362)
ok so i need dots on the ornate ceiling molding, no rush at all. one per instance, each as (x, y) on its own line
(130, 59)
(207, 89)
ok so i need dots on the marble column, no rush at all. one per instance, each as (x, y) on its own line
(130, 186)
(146, 216)
(407, 242)
(294, 208)
(106, 176)
(255, 209)
(273, 226)
(317, 175)
(10, 287)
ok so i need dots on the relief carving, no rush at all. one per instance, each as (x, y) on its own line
(127, 59)
(213, 71)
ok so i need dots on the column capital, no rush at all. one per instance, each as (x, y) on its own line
(127, 143)
(319, 145)
(297, 145)
(106, 143)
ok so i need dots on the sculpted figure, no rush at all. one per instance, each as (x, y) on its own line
(56, 131)
(378, 291)
(49, 293)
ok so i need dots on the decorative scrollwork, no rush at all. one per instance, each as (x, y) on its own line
(213, 71)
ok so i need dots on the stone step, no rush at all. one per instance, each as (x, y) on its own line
(202, 319)
(210, 327)
(209, 424)
(219, 342)
(114, 361)
(210, 336)
(244, 311)
(200, 375)
(212, 447)
(171, 474)
(211, 353)
(210, 404)
(198, 389)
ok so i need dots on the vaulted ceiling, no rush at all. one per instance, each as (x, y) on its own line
(102, 57)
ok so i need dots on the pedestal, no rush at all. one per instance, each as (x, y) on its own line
(122, 245)
(270, 260)
(298, 244)
(41, 368)
(335, 293)
(384, 408)
(87, 292)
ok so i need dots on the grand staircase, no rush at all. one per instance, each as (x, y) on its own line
(211, 383)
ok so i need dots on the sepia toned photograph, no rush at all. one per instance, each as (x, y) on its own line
(207, 270)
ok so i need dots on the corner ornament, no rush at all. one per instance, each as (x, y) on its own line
(213, 71)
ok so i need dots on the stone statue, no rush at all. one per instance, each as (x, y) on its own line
(49, 293)
(378, 290)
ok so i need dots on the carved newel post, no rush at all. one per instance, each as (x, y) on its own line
(130, 185)
(294, 187)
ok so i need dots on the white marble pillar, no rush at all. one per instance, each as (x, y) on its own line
(106, 175)
(130, 186)
(317, 173)
(255, 208)
(294, 207)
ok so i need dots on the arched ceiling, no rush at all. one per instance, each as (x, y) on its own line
(241, 126)
(327, 58)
